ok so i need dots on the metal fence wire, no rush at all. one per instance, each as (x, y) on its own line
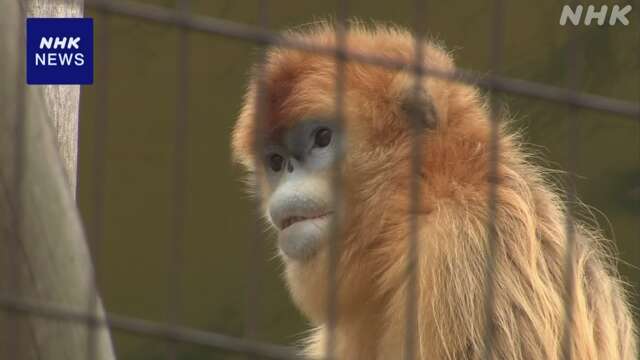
(261, 35)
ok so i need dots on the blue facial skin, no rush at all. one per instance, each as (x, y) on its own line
(298, 167)
(299, 148)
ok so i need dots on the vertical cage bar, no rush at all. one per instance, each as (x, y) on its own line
(180, 179)
(415, 191)
(495, 60)
(255, 248)
(337, 181)
(636, 7)
(99, 163)
(636, 4)
(573, 80)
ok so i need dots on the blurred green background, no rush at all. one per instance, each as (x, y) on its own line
(218, 250)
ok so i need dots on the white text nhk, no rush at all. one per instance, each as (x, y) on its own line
(617, 15)
(59, 58)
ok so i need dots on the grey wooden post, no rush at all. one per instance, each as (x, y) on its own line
(44, 255)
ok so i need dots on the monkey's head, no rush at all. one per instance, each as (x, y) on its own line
(290, 140)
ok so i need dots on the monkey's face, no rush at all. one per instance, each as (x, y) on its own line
(298, 167)
(292, 170)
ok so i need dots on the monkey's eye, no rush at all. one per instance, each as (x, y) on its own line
(322, 138)
(276, 162)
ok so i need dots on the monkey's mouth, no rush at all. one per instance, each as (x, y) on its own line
(301, 237)
(287, 222)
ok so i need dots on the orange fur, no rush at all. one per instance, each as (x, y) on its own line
(452, 215)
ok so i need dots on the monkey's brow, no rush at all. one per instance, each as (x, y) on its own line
(284, 139)
(272, 135)
(305, 127)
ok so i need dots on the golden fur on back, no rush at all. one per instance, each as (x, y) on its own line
(372, 281)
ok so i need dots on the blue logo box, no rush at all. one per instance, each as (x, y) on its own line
(59, 51)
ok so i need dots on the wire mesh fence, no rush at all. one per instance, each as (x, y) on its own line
(181, 17)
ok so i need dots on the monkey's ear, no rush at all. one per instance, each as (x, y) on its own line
(419, 108)
(415, 104)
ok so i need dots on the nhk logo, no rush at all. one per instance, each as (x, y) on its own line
(616, 15)
(59, 51)
(58, 58)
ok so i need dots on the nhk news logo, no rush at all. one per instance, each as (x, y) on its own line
(59, 51)
(576, 16)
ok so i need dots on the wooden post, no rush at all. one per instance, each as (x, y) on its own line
(61, 101)
(43, 251)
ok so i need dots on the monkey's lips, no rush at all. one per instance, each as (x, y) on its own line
(296, 219)
(301, 237)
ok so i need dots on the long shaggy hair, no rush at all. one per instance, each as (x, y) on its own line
(452, 214)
